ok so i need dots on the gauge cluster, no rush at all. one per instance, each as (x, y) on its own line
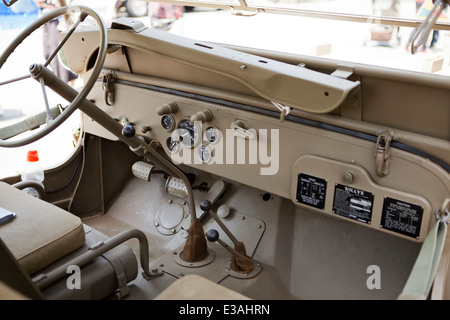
(188, 134)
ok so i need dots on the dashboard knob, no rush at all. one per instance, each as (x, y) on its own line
(167, 108)
(223, 211)
(203, 116)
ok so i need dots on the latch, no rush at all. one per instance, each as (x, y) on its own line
(108, 87)
(383, 152)
(240, 131)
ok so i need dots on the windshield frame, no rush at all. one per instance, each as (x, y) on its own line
(242, 8)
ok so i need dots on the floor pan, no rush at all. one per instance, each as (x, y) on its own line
(302, 255)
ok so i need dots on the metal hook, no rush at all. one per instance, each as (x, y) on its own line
(442, 217)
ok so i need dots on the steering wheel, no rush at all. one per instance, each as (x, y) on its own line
(35, 69)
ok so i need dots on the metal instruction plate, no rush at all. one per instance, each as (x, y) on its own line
(311, 191)
(401, 217)
(353, 203)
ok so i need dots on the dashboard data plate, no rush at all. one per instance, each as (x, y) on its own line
(311, 190)
(401, 217)
(353, 203)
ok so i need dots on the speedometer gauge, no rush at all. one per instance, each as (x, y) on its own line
(187, 133)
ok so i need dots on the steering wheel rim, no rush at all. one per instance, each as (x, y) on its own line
(81, 96)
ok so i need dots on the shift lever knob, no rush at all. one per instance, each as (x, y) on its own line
(212, 235)
(205, 205)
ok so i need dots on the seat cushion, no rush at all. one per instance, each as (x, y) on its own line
(41, 233)
(195, 287)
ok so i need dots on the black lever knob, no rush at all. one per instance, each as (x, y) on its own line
(212, 235)
(128, 131)
(205, 205)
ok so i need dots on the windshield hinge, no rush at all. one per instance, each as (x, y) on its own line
(383, 152)
(108, 87)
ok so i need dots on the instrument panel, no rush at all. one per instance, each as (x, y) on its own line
(338, 189)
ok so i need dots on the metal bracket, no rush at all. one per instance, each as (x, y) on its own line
(343, 71)
(130, 24)
(108, 87)
(153, 274)
(383, 152)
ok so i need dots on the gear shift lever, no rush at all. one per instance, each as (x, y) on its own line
(205, 205)
(241, 263)
(213, 236)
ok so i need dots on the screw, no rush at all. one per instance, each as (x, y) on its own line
(145, 129)
(243, 67)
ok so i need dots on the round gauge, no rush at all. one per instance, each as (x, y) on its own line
(187, 133)
(204, 153)
(168, 122)
(212, 134)
(172, 145)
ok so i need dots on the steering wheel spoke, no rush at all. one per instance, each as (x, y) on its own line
(15, 79)
(47, 107)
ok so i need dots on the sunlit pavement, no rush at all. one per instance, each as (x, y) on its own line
(275, 32)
